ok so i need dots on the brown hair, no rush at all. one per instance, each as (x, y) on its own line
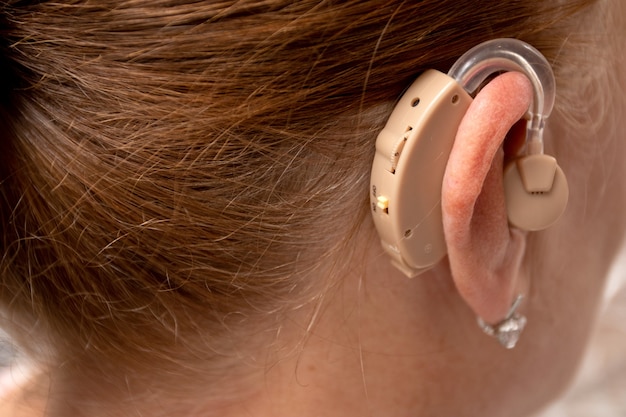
(173, 173)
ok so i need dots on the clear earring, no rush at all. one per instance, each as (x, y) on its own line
(507, 331)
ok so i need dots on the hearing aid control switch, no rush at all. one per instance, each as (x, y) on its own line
(408, 170)
(382, 203)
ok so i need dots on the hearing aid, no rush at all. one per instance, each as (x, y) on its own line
(413, 148)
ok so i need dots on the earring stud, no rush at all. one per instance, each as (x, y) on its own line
(507, 331)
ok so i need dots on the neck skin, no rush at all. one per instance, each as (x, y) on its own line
(371, 352)
(387, 345)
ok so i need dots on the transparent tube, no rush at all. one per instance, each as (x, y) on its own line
(477, 64)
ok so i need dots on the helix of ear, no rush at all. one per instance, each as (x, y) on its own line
(535, 187)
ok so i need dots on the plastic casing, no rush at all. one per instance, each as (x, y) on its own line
(407, 173)
(535, 192)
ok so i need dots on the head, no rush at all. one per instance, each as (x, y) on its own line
(185, 206)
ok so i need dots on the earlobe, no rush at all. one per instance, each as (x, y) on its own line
(484, 252)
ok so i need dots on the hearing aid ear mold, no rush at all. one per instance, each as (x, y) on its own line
(535, 191)
(413, 149)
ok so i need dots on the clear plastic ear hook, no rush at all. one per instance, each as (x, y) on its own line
(477, 64)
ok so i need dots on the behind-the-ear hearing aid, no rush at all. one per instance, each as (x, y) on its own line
(413, 149)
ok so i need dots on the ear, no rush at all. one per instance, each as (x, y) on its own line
(484, 252)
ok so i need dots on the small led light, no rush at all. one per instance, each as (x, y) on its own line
(382, 203)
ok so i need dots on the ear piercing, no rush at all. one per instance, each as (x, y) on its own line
(507, 331)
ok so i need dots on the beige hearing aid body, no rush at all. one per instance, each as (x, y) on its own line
(411, 156)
